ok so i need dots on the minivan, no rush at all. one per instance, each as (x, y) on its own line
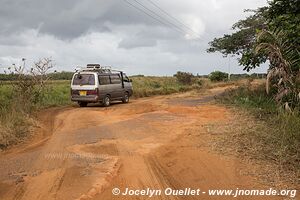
(100, 84)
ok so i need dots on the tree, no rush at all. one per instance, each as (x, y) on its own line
(218, 76)
(283, 15)
(282, 57)
(243, 40)
(29, 84)
(272, 34)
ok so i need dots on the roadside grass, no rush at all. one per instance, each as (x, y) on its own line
(13, 125)
(57, 94)
(262, 132)
(16, 119)
(149, 86)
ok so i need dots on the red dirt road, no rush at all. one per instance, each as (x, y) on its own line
(157, 143)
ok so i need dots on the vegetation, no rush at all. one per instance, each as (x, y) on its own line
(282, 61)
(184, 77)
(61, 75)
(20, 98)
(272, 33)
(243, 40)
(273, 136)
(218, 76)
(16, 114)
(149, 85)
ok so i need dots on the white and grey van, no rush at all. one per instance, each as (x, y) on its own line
(100, 84)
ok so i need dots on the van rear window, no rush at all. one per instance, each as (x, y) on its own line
(84, 79)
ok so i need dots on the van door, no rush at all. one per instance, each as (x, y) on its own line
(117, 86)
(104, 86)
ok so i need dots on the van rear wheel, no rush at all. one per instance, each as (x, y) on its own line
(106, 101)
(82, 104)
(125, 99)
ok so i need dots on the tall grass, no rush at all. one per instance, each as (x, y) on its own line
(13, 125)
(57, 93)
(16, 113)
(149, 86)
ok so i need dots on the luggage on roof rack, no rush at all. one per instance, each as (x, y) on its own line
(97, 68)
(93, 65)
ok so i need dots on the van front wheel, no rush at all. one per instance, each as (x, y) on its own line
(106, 101)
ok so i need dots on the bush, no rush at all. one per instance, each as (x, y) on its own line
(217, 76)
(184, 77)
(22, 97)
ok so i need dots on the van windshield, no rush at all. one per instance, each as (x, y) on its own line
(84, 79)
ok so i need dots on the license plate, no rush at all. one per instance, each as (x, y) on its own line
(82, 93)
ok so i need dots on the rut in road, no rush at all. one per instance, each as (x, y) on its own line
(155, 143)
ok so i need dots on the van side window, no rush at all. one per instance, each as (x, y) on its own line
(104, 80)
(115, 79)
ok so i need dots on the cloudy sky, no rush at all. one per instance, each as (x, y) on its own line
(113, 32)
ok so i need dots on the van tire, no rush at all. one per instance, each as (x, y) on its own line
(82, 104)
(106, 101)
(125, 99)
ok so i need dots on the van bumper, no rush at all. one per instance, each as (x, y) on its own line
(90, 98)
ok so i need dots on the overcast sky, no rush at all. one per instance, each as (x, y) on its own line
(112, 32)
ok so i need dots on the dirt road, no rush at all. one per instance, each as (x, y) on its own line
(156, 143)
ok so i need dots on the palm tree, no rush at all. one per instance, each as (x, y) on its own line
(284, 67)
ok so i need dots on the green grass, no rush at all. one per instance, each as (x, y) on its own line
(269, 134)
(57, 94)
(255, 100)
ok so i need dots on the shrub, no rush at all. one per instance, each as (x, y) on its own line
(184, 77)
(217, 76)
(22, 97)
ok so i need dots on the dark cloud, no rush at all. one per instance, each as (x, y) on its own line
(66, 19)
(111, 32)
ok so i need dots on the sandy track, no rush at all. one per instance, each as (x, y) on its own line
(156, 143)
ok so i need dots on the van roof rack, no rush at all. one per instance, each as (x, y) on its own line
(96, 68)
